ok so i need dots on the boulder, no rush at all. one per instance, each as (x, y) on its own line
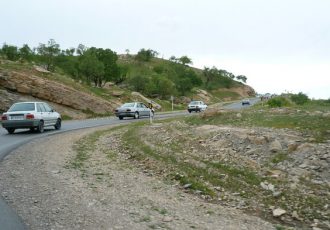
(278, 212)
(275, 146)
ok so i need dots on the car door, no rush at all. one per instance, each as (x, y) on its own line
(140, 109)
(146, 110)
(41, 113)
(51, 115)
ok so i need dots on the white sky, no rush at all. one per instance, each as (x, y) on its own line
(279, 45)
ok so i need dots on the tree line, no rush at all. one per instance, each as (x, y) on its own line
(96, 66)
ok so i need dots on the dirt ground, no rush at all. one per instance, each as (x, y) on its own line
(38, 183)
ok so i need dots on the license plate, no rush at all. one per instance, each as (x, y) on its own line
(16, 117)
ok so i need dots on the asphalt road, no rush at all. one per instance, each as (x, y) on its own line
(238, 105)
(9, 220)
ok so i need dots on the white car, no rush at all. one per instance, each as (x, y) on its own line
(32, 115)
(196, 106)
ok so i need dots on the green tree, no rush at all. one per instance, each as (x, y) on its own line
(160, 86)
(210, 75)
(241, 78)
(184, 85)
(184, 60)
(68, 63)
(217, 78)
(299, 98)
(91, 68)
(146, 55)
(26, 52)
(194, 78)
(48, 53)
(123, 74)
(109, 60)
(11, 52)
(139, 83)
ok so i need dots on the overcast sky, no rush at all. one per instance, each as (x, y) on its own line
(279, 45)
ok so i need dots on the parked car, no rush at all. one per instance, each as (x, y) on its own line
(196, 106)
(32, 115)
(133, 109)
(246, 101)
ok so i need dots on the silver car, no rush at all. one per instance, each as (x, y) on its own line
(32, 115)
(133, 109)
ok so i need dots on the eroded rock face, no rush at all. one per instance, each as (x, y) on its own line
(7, 100)
(48, 90)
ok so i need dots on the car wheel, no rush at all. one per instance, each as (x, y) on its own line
(41, 127)
(10, 130)
(121, 118)
(189, 111)
(136, 115)
(58, 124)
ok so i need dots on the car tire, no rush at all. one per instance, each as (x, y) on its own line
(41, 127)
(120, 118)
(10, 130)
(189, 111)
(136, 115)
(58, 124)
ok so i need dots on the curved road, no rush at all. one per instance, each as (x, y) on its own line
(9, 220)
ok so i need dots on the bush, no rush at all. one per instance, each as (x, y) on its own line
(145, 55)
(299, 98)
(278, 102)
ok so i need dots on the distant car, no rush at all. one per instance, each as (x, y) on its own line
(133, 109)
(196, 106)
(246, 101)
(32, 115)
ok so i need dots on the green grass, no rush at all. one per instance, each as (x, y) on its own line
(66, 117)
(279, 157)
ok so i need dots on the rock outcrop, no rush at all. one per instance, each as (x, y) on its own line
(51, 91)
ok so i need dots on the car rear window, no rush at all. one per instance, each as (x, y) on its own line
(22, 107)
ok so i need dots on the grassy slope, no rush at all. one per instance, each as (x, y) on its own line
(172, 159)
(147, 68)
(135, 68)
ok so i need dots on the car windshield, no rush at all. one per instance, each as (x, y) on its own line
(194, 103)
(128, 105)
(22, 107)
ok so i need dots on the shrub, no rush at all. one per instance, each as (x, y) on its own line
(299, 98)
(278, 102)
